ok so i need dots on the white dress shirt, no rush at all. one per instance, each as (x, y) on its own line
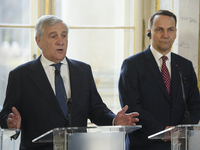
(50, 72)
(158, 58)
(64, 71)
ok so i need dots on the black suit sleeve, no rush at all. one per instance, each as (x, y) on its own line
(12, 98)
(99, 113)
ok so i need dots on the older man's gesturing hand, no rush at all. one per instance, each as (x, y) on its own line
(126, 119)
(14, 119)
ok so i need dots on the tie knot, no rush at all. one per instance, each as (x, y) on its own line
(164, 58)
(57, 66)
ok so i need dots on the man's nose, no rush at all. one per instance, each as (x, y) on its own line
(165, 33)
(60, 41)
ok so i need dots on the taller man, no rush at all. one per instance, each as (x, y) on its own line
(150, 84)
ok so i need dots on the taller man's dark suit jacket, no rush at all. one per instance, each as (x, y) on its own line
(30, 92)
(142, 88)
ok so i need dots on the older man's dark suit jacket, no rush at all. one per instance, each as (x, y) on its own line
(142, 88)
(30, 92)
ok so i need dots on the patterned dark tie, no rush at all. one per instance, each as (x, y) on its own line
(60, 89)
(166, 76)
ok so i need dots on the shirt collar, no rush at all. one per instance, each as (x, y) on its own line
(157, 55)
(46, 62)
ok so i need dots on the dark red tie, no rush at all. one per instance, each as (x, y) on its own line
(166, 76)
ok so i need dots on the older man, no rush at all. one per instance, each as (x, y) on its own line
(38, 90)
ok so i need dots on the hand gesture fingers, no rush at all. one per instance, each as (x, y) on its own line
(14, 119)
(126, 119)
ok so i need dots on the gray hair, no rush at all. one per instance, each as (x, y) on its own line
(47, 20)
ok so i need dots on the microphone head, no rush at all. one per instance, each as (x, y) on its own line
(180, 70)
(57, 72)
(69, 101)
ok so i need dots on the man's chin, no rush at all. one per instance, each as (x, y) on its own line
(166, 47)
(58, 59)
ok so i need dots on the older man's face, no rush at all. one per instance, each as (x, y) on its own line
(54, 42)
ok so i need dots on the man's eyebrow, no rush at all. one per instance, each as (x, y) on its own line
(159, 28)
(163, 27)
(64, 32)
(52, 33)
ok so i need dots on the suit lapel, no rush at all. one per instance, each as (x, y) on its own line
(75, 79)
(41, 81)
(156, 72)
(175, 78)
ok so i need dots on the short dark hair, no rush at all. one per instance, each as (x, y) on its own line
(161, 12)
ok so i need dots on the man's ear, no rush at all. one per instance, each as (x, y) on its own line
(149, 33)
(39, 42)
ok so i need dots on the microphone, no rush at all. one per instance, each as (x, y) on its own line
(68, 101)
(187, 113)
(15, 136)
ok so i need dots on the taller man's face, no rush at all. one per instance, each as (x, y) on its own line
(54, 42)
(163, 33)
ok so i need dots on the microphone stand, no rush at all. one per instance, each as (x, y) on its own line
(69, 104)
(187, 113)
